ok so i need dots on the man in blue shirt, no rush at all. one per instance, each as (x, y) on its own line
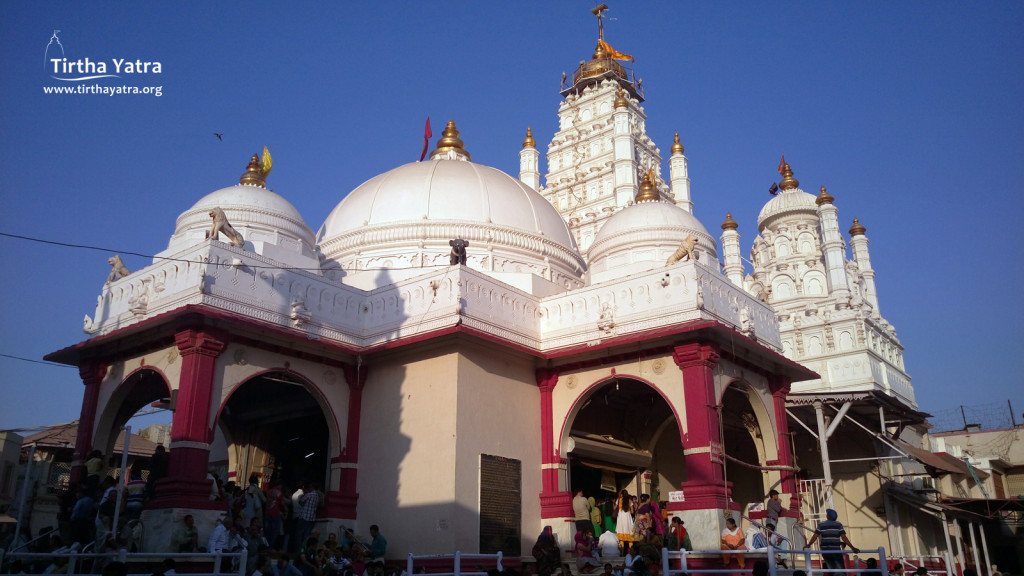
(378, 546)
(833, 537)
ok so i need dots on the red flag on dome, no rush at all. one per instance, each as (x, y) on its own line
(426, 139)
(782, 164)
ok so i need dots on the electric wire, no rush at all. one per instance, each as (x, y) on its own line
(172, 259)
(44, 363)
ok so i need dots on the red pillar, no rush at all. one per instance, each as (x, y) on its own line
(780, 389)
(92, 374)
(342, 503)
(186, 485)
(553, 503)
(705, 486)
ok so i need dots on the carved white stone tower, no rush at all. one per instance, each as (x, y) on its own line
(680, 177)
(859, 245)
(529, 162)
(826, 304)
(732, 261)
(832, 246)
(601, 149)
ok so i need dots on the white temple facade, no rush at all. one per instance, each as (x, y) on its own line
(456, 351)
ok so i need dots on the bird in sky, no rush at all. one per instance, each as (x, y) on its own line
(774, 189)
(219, 135)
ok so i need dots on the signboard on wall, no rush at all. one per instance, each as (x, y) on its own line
(676, 496)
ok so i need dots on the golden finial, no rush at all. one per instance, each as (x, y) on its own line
(254, 175)
(788, 182)
(621, 101)
(450, 142)
(677, 148)
(857, 229)
(729, 223)
(648, 191)
(529, 142)
(824, 198)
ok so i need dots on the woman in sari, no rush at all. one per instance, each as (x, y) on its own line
(733, 539)
(624, 522)
(644, 517)
(546, 553)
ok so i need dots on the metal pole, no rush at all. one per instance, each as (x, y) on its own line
(949, 546)
(974, 547)
(984, 548)
(24, 493)
(960, 544)
(121, 481)
(823, 442)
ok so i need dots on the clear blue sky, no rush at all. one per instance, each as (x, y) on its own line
(911, 113)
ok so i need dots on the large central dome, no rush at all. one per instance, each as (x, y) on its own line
(405, 217)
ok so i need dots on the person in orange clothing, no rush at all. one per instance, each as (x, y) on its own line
(733, 539)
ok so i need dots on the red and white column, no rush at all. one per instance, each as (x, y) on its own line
(705, 487)
(779, 387)
(92, 374)
(186, 485)
(342, 503)
(553, 502)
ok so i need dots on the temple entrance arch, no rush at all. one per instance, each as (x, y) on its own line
(276, 425)
(139, 389)
(748, 435)
(623, 434)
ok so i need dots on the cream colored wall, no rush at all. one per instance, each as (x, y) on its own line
(498, 415)
(166, 360)
(407, 451)
(237, 364)
(857, 494)
(660, 372)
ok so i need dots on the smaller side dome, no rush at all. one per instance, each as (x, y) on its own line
(529, 142)
(269, 224)
(857, 229)
(641, 237)
(729, 223)
(824, 197)
(790, 200)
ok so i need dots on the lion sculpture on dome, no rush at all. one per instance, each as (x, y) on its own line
(221, 225)
(685, 249)
(117, 269)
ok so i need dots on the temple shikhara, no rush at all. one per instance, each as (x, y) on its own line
(456, 351)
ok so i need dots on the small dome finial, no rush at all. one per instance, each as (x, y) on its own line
(450, 146)
(677, 148)
(788, 182)
(857, 229)
(729, 223)
(824, 198)
(254, 175)
(529, 142)
(648, 191)
(621, 101)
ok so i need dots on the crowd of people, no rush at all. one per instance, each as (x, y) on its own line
(636, 528)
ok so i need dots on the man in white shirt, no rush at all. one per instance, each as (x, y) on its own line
(608, 544)
(220, 542)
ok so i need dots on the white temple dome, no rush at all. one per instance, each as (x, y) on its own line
(258, 213)
(642, 237)
(786, 202)
(405, 218)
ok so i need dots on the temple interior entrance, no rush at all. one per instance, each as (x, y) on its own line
(743, 440)
(624, 436)
(274, 428)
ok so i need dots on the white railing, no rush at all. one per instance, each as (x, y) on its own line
(456, 559)
(683, 568)
(817, 497)
(915, 562)
(77, 560)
